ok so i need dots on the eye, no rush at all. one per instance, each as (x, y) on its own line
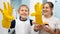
(43, 7)
(22, 10)
(26, 10)
(46, 7)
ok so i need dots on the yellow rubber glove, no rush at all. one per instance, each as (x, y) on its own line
(7, 15)
(38, 13)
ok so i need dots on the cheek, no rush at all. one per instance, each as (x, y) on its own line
(19, 12)
(49, 10)
(46, 12)
(27, 13)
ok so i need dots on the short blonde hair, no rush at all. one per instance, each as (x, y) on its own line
(24, 6)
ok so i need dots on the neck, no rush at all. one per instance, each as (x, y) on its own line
(47, 16)
(23, 18)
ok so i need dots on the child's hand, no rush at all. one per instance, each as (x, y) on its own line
(33, 22)
(37, 27)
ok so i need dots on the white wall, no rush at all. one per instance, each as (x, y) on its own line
(57, 9)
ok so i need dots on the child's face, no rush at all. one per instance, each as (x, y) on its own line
(23, 12)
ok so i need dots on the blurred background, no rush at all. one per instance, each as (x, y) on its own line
(30, 4)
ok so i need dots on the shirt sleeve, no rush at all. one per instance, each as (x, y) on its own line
(13, 24)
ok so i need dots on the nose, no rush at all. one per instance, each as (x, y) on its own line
(24, 11)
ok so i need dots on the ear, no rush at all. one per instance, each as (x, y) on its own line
(52, 8)
(18, 11)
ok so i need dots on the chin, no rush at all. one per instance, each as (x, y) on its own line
(23, 16)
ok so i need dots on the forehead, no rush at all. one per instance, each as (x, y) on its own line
(23, 7)
(46, 5)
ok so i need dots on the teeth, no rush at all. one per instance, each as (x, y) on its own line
(45, 11)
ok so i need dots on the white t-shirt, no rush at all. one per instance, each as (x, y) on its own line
(22, 27)
(53, 23)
